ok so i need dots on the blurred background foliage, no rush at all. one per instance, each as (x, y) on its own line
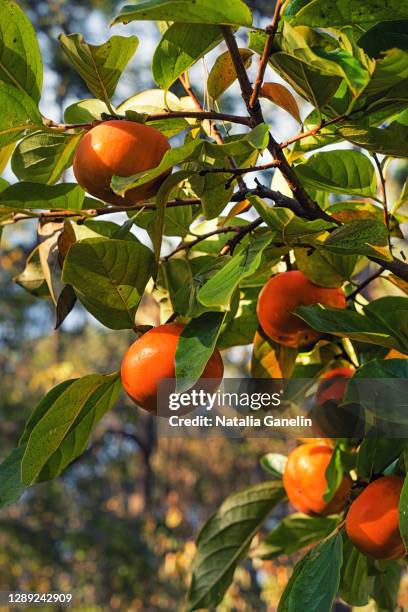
(117, 529)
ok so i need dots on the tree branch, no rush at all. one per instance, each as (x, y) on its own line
(94, 212)
(188, 245)
(239, 171)
(271, 30)
(230, 245)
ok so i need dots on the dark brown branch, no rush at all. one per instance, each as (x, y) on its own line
(231, 244)
(239, 171)
(313, 131)
(95, 212)
(365, 283)
(200, 115)
(186, 246)
(310, 207)
(271, 31)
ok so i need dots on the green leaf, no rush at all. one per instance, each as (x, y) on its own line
(218, 291)
(355, 583)
(293, 533)
(223, 75)
(11, 485)
(32, 278)
(274, 463)
(20, 56)
(77, 439)
(391, 140)
(345, 323)
(324, 268)
(328, 55)
(65, 196)
(316, 581)
(348, 172)
(385, 36)
(403, 512)
(234, 12)
(376, 454)
(334, 474)
(19, 113)
(361, 237)
(42, 407)
(195, 346)
(224, 541)
(390, 71)
(180, 47)
(161, 199)
(82, 402)
(43, 157)
(85, 111)
(256, 139)
(109, 277)
(339, 13)
(386, 585)
(100, 66)
(308, 83)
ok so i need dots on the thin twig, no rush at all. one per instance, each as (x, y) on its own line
(313, 131)
(365, 283)
(186, 246)
(271, 30)
(94, 212)
(239, 171)
(231, 244)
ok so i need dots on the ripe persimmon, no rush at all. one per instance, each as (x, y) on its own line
(120, 148)
(346, 422)
(151, 359)
(305, 482)
(282, 295)
(394, 354)
(332, 385)
(372, 521)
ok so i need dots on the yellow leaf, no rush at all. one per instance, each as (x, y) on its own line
(237, 209)
(5, 154)
(223, 73)
(280, 95)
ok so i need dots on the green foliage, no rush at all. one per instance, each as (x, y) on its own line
(100, 66)
(225, 539)
(180, 47)
(61, 432)
(321, 566)
(109, 277)
(293, 533)
(326, 214)
(202, 11)
(43, 157)
(195, 347)
(20, 56)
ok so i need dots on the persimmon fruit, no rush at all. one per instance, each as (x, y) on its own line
(120, 148)
(328, 418)
(282, 295)
(372, 520)
(151, 359)
(304, 480)
(332, 385)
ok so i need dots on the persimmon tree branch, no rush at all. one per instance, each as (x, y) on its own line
(94, 212)
(255, 112)
(186, 246)
(200, 115)
(239, 171)
(230, 245)
(263, 63)
(214, 131)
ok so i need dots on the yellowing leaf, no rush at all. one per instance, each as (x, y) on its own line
(280, 95)
(237, 209)
(223, 73)
(5, 154)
